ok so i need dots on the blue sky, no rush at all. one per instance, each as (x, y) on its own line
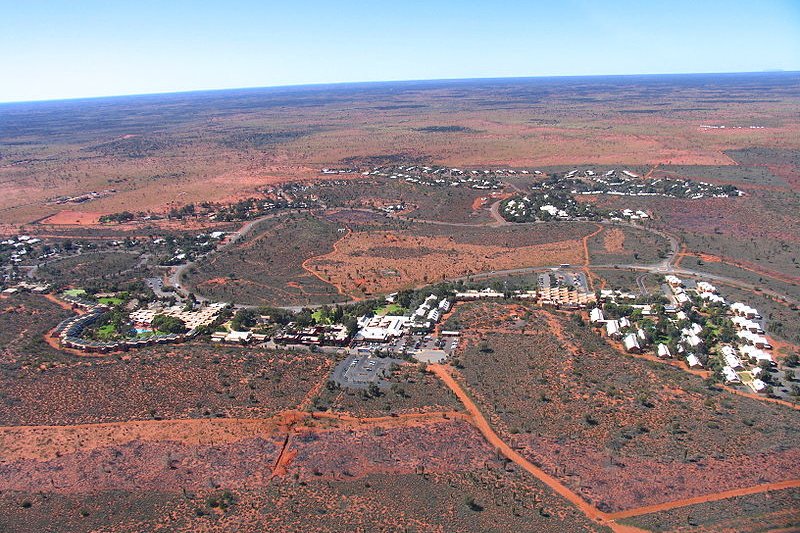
(75, 48)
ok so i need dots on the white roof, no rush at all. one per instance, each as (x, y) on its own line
(693, 340)
(704, 286)
(631, 341)
(730, 374)
(238, 336)
(693, 360)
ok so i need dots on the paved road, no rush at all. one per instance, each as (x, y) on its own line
(232, 238)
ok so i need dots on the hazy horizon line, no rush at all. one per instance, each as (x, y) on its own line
(377, 82)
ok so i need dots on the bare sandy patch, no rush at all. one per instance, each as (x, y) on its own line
(74, 218)
(614, 241)
(372, 262)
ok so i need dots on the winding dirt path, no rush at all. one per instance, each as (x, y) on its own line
(480, 422)
(314, 273)
(585, 239)
(44, 442)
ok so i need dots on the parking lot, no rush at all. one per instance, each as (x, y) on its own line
(562, 278)
(361, 371)
(421, 346)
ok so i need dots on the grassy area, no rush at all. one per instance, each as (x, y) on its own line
(320, 317)
(106, 332)
(110, 300)
(74, 292)
(391, 309)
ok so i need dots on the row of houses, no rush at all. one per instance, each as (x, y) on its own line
(560, 296)
(752, 344)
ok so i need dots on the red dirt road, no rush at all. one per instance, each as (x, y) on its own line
(793, 483)
(480, 422)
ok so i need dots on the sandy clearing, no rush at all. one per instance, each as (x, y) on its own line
(375, 262)
(73, 218)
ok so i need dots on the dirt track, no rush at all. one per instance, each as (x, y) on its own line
(589, 510)
(780, 485)
(480, 422)
(316, 274)
(44, 442)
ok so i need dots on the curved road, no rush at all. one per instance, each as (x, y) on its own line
(663, 267)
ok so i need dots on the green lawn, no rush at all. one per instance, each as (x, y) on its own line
(317, 315)
(110, 300)
(106, 332)
(74, 292)
(391, 309)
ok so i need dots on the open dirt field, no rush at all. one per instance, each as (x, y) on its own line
(366, 263)
(769, 511)
(24, 321)
(625, 245)
(503, 500)
(73, 218)
(411, 391)
(91, 268)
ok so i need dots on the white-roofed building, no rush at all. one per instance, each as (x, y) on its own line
(673, 281)
(751, 352)
(756, 340)
(241, 337)
(692, 340)
(712, 298)
(730, 357)
(381, 328)
(744, 310)
(730, 375)
(704, 286)
(612, 329)
(631, 343)
(693, 361)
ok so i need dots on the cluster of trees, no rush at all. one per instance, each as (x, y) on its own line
(187, 210)
(124, 216)
(169, 324)
(561, 201)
